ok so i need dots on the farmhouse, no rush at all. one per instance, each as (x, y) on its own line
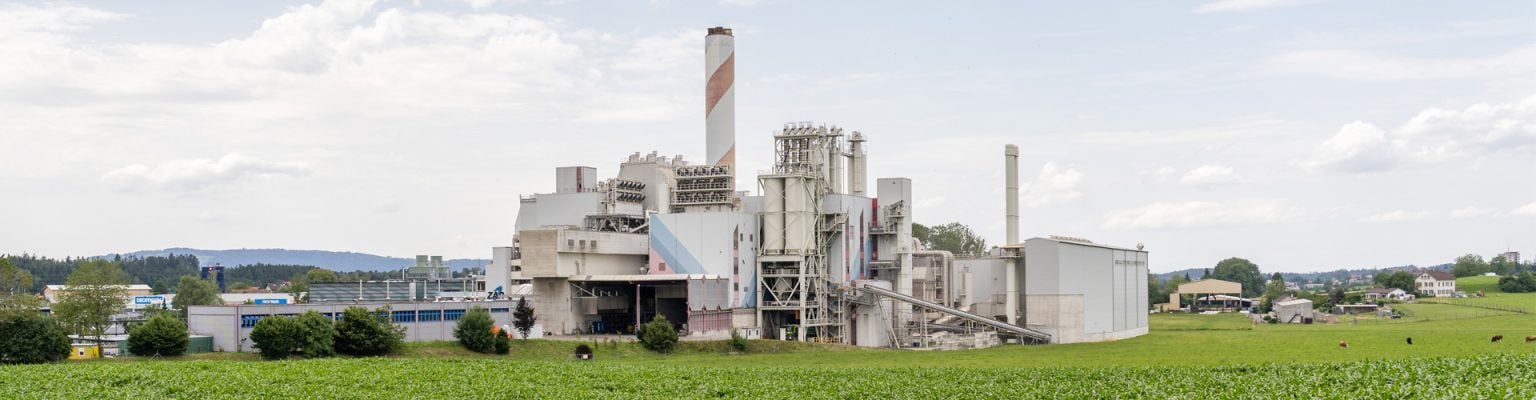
(1436, 283)
(1375, 294)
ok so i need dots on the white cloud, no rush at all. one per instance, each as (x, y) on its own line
(742, 3)
(1365, 66)
(1203, 214)
(1470, 212)
(1244, 5)
(1431, 136)
(201, 173)
(1528, 210)
(1055, 185)
(1210, 175)
(1395, 216)
(17, 18)
(1358, 147)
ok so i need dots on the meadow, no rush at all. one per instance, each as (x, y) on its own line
(1184, 356)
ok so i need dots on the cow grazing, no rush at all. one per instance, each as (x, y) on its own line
(1343, 344)
(1529, 339)
(1497, 338)
(1410, 341)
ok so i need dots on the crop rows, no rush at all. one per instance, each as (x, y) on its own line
(1494, 376)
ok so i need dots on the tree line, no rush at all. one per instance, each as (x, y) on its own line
(163, 273)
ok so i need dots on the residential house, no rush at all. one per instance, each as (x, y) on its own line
(1375, 294)
(1436, 283)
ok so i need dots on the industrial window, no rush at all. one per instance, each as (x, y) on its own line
(452, 315)
(404, 316)
(583, 244)
(499, 310)
(429, 315)
(570, 243)
(594, 245)
(247, 321)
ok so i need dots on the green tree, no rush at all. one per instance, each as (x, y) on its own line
(317, 335)
(277, 337)
(1524, 282)
(1501, 266)
(503, 342)
(16, 289)
(658, 335)
(298, 286)
(96, 290)
(163, 336)
(474, 331)
(1243, 272)
(1469, 265)
(31, 338)
(194, 291)
(738, 342)
(523, 318)
(364, 333)
(319, 275)
(1336, 296)
(953, 237)
(1273, 291)
(1156, 292)
(1399, 280)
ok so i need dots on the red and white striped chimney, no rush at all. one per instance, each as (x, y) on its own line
(720, 98)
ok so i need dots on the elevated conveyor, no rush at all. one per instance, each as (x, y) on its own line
(1026, 334)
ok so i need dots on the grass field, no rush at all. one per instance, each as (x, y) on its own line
(1192, 356)
(1471, 284)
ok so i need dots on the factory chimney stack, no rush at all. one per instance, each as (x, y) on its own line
(1011, 178)
(720, 98)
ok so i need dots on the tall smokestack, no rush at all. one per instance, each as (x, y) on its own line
(1011, 182)
(720, 97)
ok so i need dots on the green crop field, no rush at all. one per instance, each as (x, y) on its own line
(1189, 356)
(1506, 376)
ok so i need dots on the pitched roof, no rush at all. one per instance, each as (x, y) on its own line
(1440, 276)
(1381, 290)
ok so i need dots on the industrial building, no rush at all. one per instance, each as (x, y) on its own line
(814, 254)
(230, 326)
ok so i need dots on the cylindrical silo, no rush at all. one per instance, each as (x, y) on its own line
(773, 214)
(797, 224)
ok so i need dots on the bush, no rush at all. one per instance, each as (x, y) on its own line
(317, 335)
(504, 342)
(658, 335)
(475, 331)
(1523, 282)
(583, 349)
(737, 342)
(277, 337)
(364, 333)
(30, 338)
(163, 336)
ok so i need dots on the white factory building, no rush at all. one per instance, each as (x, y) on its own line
(813, 254)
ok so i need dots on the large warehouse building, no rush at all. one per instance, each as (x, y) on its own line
(814, 255)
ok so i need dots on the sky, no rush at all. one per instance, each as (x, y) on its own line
(1301, 135)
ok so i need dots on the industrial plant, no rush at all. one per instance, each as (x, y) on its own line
(814, 254)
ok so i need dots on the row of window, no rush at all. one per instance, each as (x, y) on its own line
(249, 320)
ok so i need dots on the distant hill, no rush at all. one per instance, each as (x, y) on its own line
(332, 260)
(1340, 274)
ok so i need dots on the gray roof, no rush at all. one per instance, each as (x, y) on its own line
(1293, 302)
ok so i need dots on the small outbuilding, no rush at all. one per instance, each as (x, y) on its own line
(1294, 311)
(1207, 289)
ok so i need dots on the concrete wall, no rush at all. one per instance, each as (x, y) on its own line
(1084, 292)
(720, 243)
(562, 252)
(552, 305)
(230, 326)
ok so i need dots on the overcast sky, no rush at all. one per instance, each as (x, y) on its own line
(1303, 135)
